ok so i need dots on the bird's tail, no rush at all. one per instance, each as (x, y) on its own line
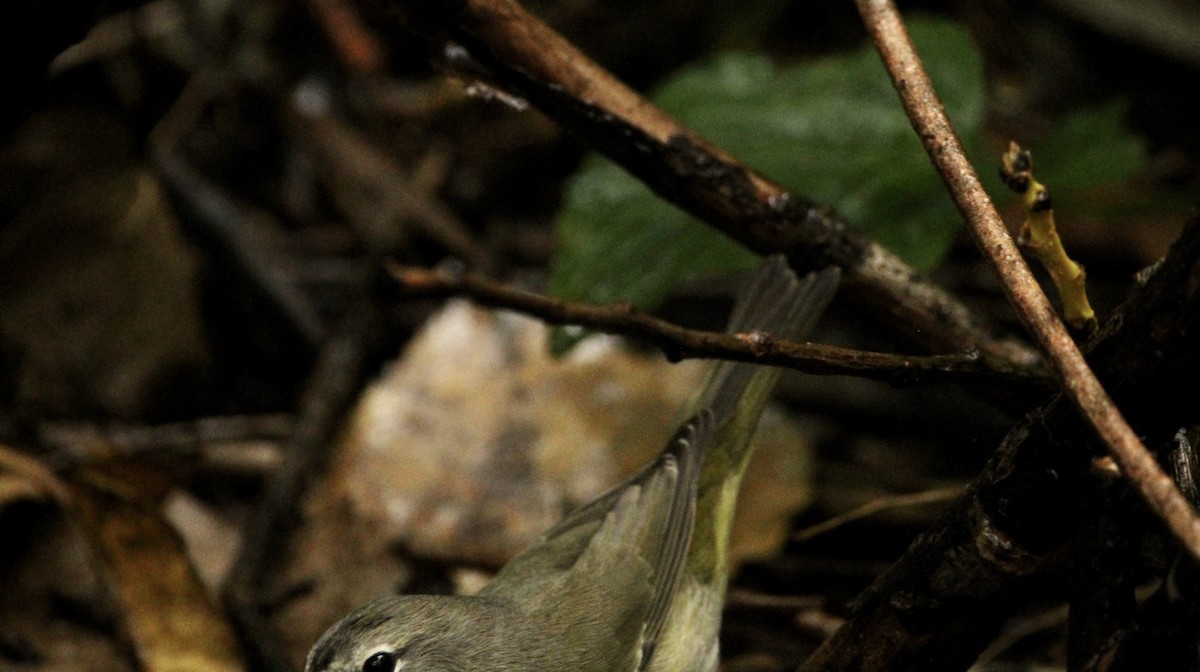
(774, 304)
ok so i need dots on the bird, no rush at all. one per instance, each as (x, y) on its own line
(633, 581)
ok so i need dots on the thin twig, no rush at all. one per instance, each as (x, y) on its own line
(1050, 619)
(182, 436)
(875, 506)
(358, 48)
(230, 230)
(743, 598)
(239, 443)
(117, 34)
(680, 343)
(499, 39)
(376, 194)
(931, 124)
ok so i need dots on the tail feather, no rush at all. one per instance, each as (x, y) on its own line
(775, 303)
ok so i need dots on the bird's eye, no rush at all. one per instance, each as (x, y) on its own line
(384, 661)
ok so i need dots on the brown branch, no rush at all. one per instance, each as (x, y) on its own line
(233, 232)
(681, 343)
(520, 53)
(877, 505)
(741, 597)
(1002, 546)
(238, 443)
(931, 124)
(377, 197)
(351, 40)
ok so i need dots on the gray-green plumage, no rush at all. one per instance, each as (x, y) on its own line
(632, 582)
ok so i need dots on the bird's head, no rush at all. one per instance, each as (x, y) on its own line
(418, 633)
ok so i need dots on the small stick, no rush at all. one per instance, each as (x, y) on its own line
(679, 343)
(875, 506)
(358, 48)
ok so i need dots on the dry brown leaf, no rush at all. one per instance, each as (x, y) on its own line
(22, 478)
(167, 613)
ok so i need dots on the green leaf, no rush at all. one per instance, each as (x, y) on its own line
(832, 130)
(1089, 148)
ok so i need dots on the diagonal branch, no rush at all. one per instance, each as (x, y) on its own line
(500, 40)
(931, 124)
(1004, 545)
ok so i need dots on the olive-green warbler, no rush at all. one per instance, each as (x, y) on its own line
(633, 581)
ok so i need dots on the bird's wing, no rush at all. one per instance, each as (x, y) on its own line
(618, 559)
